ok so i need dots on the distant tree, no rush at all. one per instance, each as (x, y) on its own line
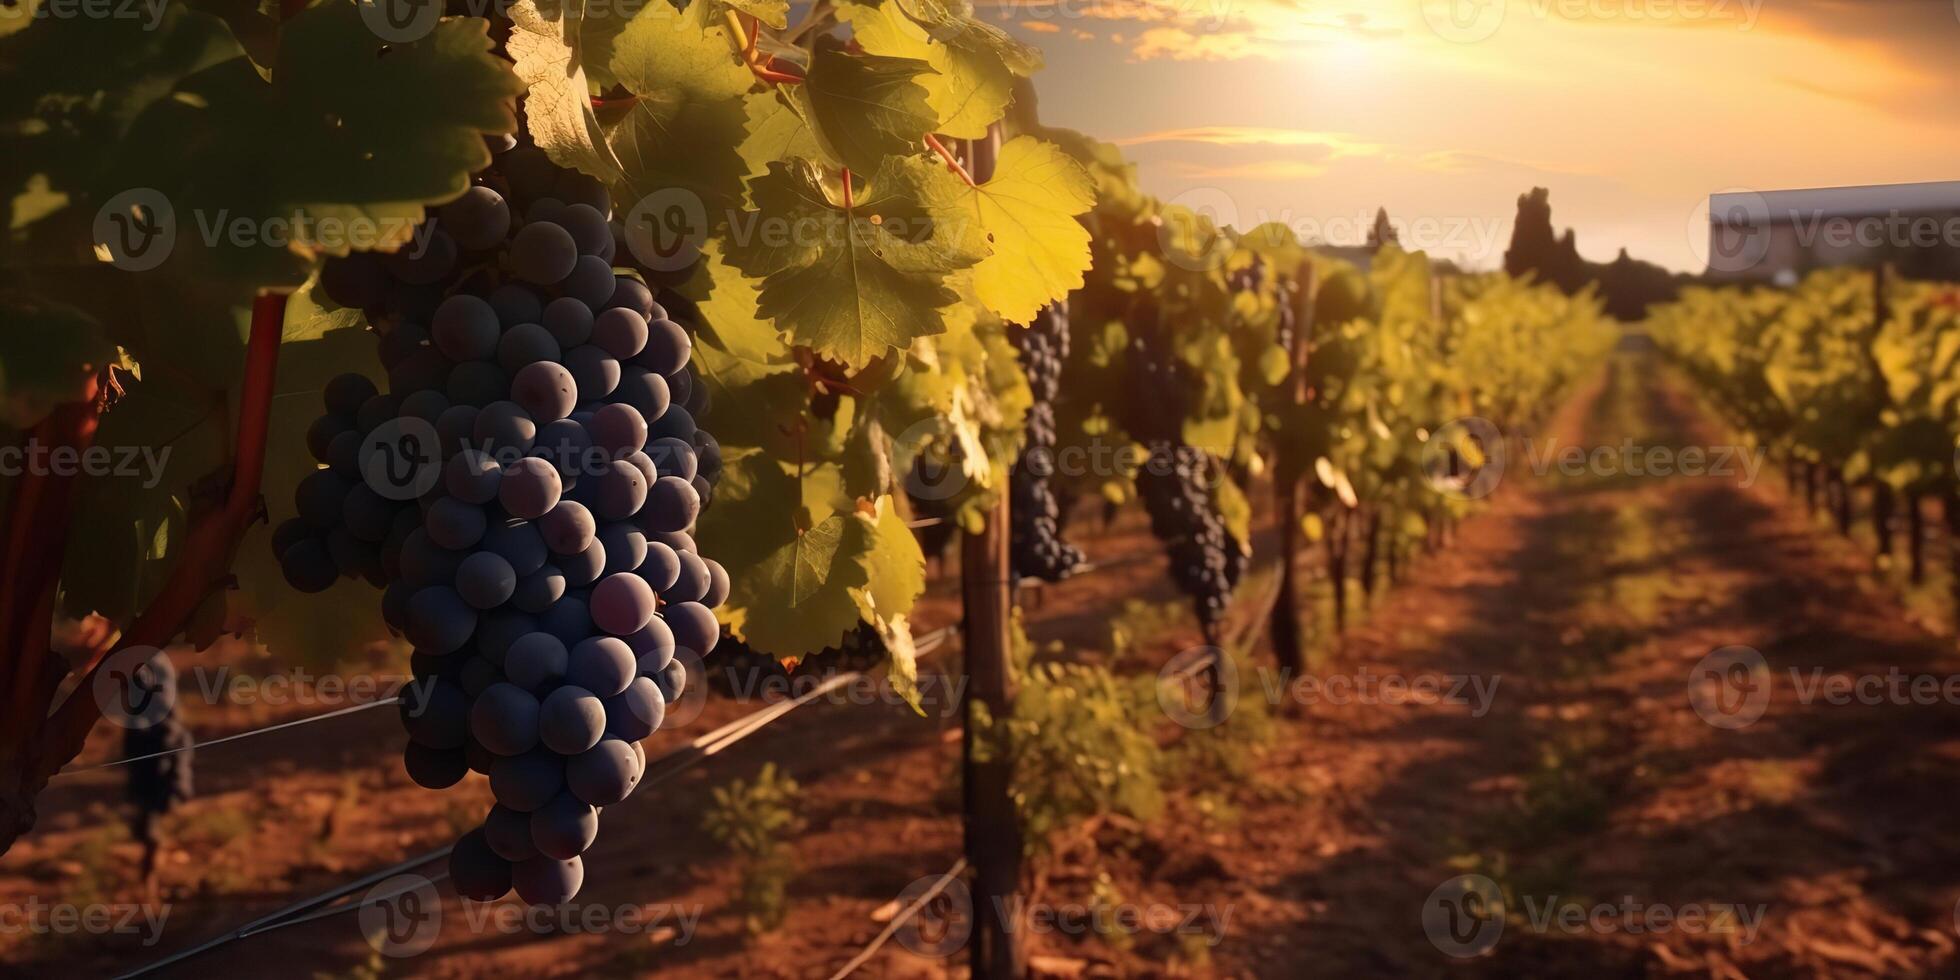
(1628, 285)
(1383, 233)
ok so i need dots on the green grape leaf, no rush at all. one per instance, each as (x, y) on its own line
(164, 437)
(775, 405)
(681, 132)
(318, 343)
(324, 629)
(775, 13)
(866, 107)
(254, 24)
(895, 574)
(233, 162)
(792, 537)
(48, 351)
(1234, 511)
(310, 315)
(851, 284)
(342, 149)
(903, 674)
(864, 456)
(952, 22)
(1027, 213)
(545, 44)
(727, 302)
(894, 567)
(806, 585)
(69, 90)
(598, 36)
(779, 129)
(762, 503)
(970, 85)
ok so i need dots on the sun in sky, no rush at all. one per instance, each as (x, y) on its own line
(1443, 111)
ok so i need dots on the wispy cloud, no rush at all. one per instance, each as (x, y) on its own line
(1180, 44)
(1206, 30)
(1252, 136)
(1258, 170)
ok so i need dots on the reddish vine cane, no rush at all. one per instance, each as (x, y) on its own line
(37, 744)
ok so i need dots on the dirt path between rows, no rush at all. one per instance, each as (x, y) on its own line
(1811, 842)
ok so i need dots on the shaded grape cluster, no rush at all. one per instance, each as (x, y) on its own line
(1205, 562)
(736, 670)
(156, 785)
(1036, 545)
(1289, 322)
(525, 493)
(1250, 278)
(1247, 278)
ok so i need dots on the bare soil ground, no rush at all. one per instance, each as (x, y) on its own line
(1580, 604)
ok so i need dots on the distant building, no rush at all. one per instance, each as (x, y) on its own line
(1777, 236)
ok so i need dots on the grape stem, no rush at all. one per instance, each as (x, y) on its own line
(952, 162)
(760, 65)
(848, 202)
(205, 563)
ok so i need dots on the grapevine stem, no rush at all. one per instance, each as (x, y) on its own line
(208, 549)
(36, 537)
(759, 65)
(952, 162)
(848, 201)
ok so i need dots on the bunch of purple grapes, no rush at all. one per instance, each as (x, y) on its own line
(1205, 562)
(1036, 545)
(525, 493)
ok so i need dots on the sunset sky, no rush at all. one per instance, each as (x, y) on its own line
(1630, 111)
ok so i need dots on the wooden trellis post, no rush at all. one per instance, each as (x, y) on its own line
(997, 950)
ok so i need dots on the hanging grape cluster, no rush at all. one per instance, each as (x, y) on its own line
(1248, 277)
(1205, 562)
(737, 670)
(161, 777)
(525, 493)
(1037, 546)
